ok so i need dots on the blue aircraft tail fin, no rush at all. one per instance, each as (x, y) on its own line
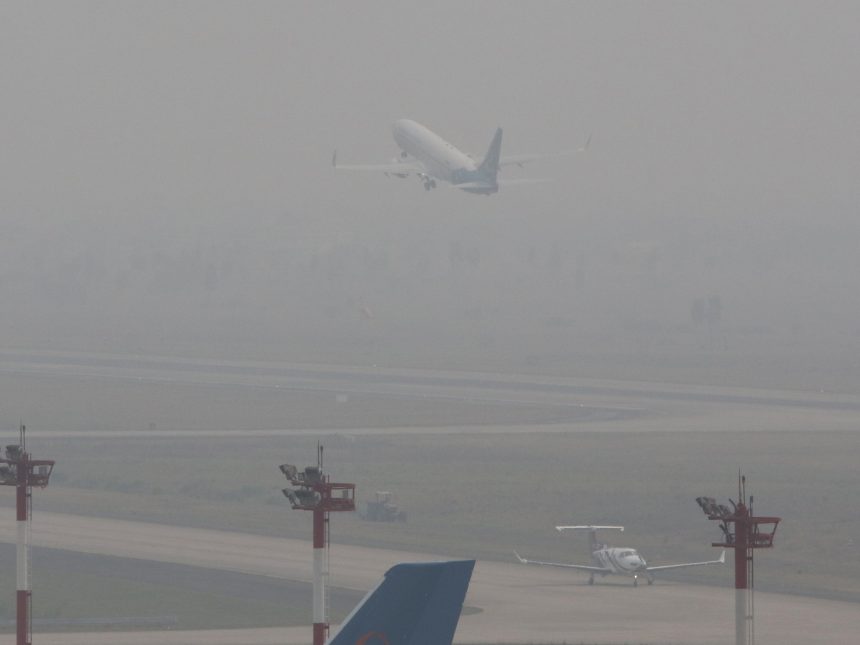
(489, 167)
(415, 604)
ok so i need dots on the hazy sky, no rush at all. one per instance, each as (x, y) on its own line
(724, 155)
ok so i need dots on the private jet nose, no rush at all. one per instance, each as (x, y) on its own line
(635, 561)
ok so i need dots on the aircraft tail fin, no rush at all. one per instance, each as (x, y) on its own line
(592, 532)
(415, 603)
(489, 167)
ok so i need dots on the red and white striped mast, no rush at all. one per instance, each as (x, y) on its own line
(18, 470)
(743, 532)
(314, 492)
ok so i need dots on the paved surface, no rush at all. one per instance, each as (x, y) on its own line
(401, 382)
(595, 405)
(519, 603)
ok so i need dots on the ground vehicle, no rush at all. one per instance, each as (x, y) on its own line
(383, 509)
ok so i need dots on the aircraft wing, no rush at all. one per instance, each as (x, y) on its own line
(521, 160)
(523, 182)
(720, 560)
(581, 567)
(397, 168)
(482, 187)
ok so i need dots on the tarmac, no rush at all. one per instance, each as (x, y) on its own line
(516, 603)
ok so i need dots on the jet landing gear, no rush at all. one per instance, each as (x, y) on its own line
(635, 580)
(591, 579)
(429, 183)
(650, 581)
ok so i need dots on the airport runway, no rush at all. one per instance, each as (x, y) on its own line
(519, 604)
(580, 404)
(402, 382)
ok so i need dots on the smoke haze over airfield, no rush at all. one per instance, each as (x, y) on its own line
(166, 184)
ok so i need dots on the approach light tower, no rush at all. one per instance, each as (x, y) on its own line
(743, 532)
(22, 472)
(312, 491)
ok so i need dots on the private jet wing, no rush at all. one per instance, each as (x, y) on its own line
(401, 169)
(581, 567)
(521, 160)
(720, 560)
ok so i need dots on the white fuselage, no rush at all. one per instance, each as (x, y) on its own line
(619, 560)
(441, 159)
(616, 560)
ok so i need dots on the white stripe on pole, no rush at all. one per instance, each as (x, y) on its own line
(740, 617)
(23, 578)
(319, 586)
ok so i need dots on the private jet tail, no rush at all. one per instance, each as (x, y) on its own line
(415, 604)
(489, 167)
(592, 533)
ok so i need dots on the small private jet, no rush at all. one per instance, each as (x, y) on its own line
(616, 560)
(429, 157)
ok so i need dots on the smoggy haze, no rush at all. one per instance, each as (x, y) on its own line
(166, 181)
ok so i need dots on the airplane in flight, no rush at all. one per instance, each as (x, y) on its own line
(415, 604)
(428, 156)
(616, 560)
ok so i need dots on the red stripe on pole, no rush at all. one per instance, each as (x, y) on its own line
(319, 528)
(21, 501)
(23, 609)
(319, 633)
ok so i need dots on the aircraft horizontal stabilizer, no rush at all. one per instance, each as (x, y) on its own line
(522, 159)
(587, 528)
